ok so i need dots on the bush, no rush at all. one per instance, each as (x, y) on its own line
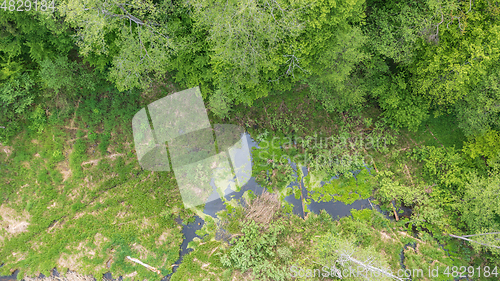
(254, 250)
(63, 74)
(219, 104)
(16, 96)
(284, 253)
(401, 107)
(486, 145)
(38, 119)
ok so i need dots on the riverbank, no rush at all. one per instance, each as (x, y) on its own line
(85, 204)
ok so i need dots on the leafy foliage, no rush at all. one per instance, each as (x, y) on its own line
(347, 189)
(219, 104)
(479, 111)
(254, 251)
(247, 39)
(16, 97)
(62, 74)
(30, 37)
(486, 145)
(402, 107)
(444, 165)
(481, 211)
(446, 72)
(338, 85)
(137, 45)
(426, 209)
(393, 190)
(395, 27)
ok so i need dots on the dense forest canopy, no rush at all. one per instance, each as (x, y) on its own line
(404, 63)
(415, 58)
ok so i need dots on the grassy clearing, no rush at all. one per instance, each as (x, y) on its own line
(78, 199)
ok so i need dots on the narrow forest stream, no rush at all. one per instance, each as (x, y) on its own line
(335, 208)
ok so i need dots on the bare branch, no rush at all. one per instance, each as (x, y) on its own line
(470, 240)
(344, 257)
(142, 44)
(490, 233)
(442, 18)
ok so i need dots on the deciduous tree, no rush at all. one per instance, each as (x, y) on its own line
(133, 36)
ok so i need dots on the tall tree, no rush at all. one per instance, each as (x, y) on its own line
(394, 27)
(481, 209)
(249, 42)
(479, 110)
(256, 47)
(447, 52)
(337, 81)
(133, 36)
(27, 38)
(464, 52)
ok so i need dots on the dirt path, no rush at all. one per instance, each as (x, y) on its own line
(72, 124)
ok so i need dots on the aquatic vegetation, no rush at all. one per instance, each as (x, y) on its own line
(346, 189)
(271, 163)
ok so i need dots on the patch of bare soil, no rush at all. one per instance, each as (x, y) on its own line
(99, 239)
(19, 256)
(13, 222)
(386, 236)
(72, 261)
(6, 149)
(131, 275)
(163, 237)
(63, 168)
(143, 252)
(79, 215)
(95, 161)
(409, 236)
